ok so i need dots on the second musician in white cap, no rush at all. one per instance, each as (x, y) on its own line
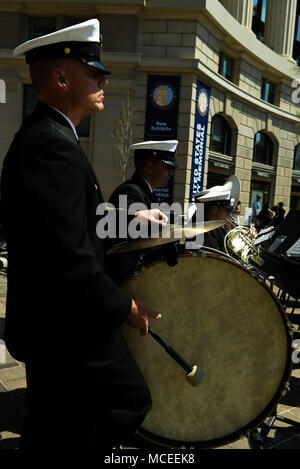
(155, 162)
(219, 203)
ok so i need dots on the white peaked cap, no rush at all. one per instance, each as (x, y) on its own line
(230, 191)
(81, 41)
(165, 145)
(164, 150)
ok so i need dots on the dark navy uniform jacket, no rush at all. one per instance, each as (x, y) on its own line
(60, 297)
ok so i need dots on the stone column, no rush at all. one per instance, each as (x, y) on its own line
(241, 10)
(280, 26)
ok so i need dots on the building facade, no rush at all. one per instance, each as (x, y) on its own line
(244, 51)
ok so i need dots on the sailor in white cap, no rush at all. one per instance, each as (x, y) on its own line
(64, 312)
(155, 162)
(154, 165)
(66, 62)
(219, 203)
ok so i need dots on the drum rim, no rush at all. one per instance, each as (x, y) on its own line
(280, 392)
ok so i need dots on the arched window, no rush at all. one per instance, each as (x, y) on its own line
(220, 140)
(263, 149)
(297, 158)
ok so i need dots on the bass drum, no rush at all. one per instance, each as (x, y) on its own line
(216, 315)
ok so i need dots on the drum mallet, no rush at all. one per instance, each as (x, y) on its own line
(195, 375)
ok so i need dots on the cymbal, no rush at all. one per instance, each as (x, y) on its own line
(169, 234)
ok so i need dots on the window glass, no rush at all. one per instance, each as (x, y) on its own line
(30, 100)
(71, 20)
(296, 51)
(267, 91)
(220, 141)
(226, 66)
(263, 149)
(259, 18)
(40, 26)
(297, 158)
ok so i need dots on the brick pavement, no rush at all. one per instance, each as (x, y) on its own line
(13, 403)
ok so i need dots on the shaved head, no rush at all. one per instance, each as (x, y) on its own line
(42, 71)
(69, 85)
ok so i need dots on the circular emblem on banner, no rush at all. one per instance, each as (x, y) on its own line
(202, 102)
(163, 96)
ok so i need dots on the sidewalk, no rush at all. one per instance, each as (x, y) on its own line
(13, 403)
(12, 386)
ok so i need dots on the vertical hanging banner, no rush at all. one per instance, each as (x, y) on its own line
(200, 136)
(162, 117)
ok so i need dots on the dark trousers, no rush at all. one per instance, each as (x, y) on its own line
(91, 405)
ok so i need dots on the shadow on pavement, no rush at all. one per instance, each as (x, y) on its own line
(12, 416)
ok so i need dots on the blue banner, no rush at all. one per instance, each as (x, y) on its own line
(200, 136)
(161, 118)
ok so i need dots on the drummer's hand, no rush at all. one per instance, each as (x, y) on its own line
(152, 216)
(138, 316)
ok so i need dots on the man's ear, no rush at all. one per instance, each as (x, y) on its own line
(61, 78)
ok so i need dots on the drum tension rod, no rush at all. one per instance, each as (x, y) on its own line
(195, 375)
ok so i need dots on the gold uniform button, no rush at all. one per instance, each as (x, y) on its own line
(67, 50)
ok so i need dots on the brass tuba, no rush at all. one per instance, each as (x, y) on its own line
(239, 242)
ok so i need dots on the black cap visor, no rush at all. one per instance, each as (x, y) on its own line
(170, 163)
(96, 64)
(225, 204)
